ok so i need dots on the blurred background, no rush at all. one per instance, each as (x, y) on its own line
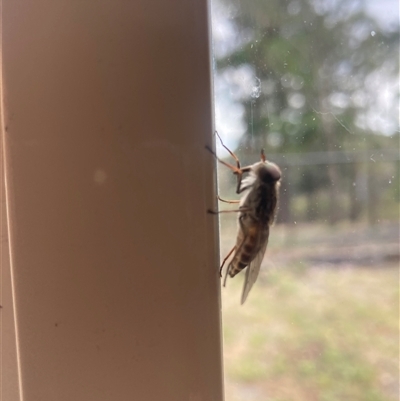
(315, 83)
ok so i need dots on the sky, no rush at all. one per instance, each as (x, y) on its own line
(385, 12)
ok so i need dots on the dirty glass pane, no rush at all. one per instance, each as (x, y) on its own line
(316, 84)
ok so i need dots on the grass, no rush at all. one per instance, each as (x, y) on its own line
(313, 334)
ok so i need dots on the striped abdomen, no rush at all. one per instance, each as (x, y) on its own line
(248, 246)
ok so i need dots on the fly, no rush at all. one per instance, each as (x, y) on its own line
(256, 213)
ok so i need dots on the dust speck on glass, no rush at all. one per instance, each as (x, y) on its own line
(316, 84)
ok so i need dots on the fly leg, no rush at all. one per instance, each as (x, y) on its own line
(244, 209)
(226, 258)
(239, 188)
(235, 169)
(227, 201)
(239, 173)
(243, 228)
(230, 152)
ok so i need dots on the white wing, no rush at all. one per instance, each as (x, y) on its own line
(252, 272)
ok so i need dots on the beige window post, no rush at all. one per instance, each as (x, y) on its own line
(114, 264)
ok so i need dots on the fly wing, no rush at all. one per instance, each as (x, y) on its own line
(252, 271)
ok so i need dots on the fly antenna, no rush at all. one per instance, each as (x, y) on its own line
(263, 155)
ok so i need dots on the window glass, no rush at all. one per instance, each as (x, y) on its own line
(316, 84)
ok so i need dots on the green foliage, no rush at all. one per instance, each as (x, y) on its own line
(314, 60)
(324, 50)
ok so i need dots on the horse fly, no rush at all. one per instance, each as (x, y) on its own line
(257, 209)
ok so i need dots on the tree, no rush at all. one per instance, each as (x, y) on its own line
(310, 60)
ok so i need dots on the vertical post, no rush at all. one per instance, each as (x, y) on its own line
(107, 109)
(8, 351)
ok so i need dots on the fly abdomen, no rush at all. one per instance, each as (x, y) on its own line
(245, 253)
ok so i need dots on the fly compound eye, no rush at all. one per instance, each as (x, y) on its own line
(274, 171)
